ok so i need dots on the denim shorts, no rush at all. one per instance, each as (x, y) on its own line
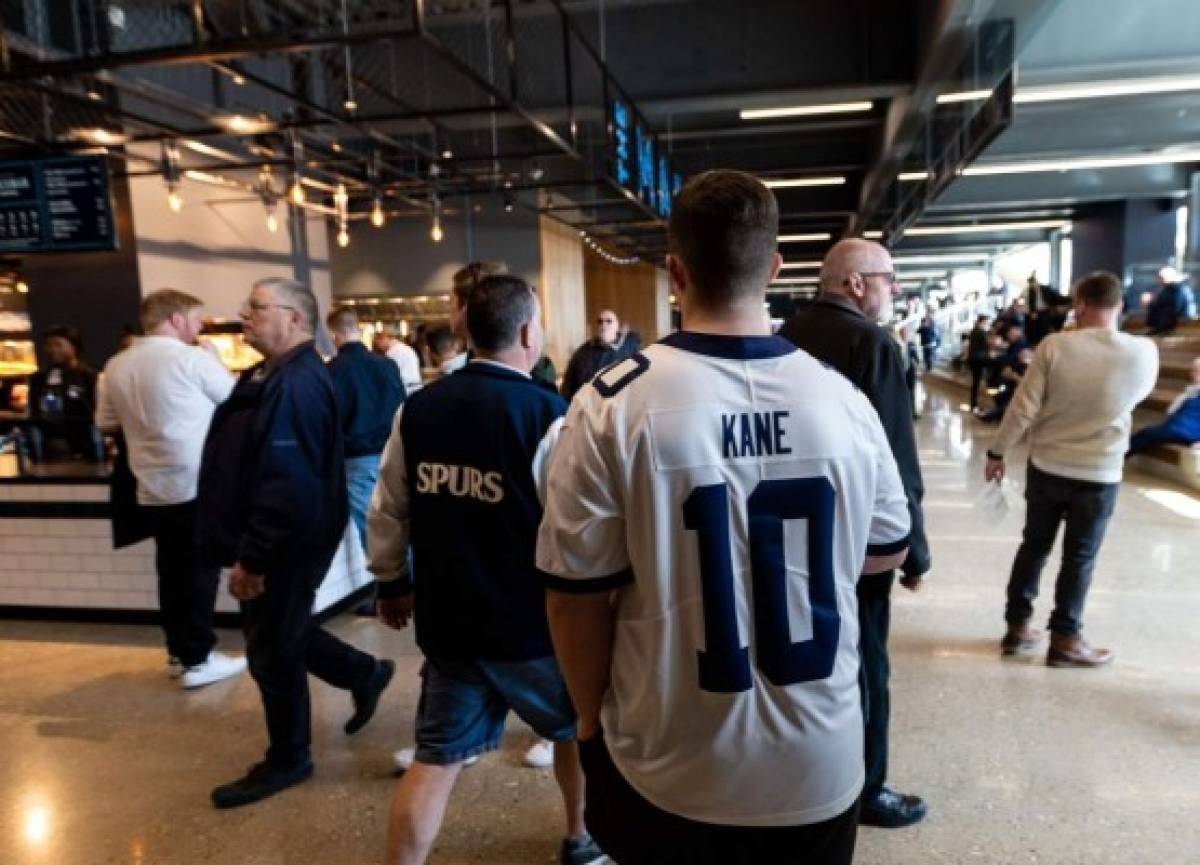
(464, 705)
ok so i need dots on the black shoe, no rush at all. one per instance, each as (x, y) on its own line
(890, 810)
(366, 698)
(581, 850)
(260, 782)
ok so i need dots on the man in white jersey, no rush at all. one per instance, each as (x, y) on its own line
(711, 504)
(1075, 403)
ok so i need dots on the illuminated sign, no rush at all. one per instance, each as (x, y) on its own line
(56, 205)
(621, 140)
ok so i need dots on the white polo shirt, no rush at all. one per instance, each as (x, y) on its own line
(162, 393)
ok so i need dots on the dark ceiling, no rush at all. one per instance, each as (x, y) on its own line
(426, 103)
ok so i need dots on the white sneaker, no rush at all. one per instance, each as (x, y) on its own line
(540, 756)
(215, 668)
(405, 757)
(174, 667)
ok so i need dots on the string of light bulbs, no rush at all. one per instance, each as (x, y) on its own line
(604, 253)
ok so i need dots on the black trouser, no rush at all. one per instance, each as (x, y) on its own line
(874, 621)
(1086, 508)
(283, 645)
(930, 353)
(187, 590)
(633, 831)
(979, 369)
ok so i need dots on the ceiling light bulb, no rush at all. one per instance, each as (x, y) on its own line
(239, 80)
(447, 153)
(174, 201)
(343, 237)
(272, 223)
(297, 193)
(22, 287)
(435, 233)
(377, 214)
(350, 105)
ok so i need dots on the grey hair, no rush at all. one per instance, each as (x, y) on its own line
(297, 295)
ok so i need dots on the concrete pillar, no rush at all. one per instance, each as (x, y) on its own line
(1192, 253)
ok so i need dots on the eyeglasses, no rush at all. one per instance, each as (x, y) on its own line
(606, 321)
(889, 275)
(251, 306)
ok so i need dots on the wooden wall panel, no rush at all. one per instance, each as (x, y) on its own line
(561, 291)
(637, 293)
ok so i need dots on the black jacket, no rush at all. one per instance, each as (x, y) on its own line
(835, 332)
(368, 390)
(474, 534)
(592, 357)
(273, 476)
(978, 350)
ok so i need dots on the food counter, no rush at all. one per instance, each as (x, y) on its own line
(56, 550)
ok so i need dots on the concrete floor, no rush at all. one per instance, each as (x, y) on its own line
(104, 761)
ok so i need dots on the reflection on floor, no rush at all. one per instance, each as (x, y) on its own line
(104, 762)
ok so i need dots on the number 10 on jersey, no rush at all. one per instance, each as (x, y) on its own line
(724, 662)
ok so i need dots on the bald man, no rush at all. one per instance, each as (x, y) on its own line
(841, 328)
(607, 346)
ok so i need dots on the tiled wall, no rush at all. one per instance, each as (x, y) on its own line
(64, 562)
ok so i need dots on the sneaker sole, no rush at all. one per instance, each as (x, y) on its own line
(1067, 663)
(192, 684)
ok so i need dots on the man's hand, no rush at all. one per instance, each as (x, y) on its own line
(994, 470)
(912, 582)
(244, 585)
(395, 612)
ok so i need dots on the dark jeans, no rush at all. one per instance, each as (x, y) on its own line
(1086, 508)
(874, 622)
(187, 591)
(283, 645)
(930, 353)
(633, 831)
(979, 370)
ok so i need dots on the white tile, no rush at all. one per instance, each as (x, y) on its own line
(66, 563)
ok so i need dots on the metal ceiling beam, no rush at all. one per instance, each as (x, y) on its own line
(202, 52)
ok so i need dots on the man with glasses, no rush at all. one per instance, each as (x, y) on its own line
(273, 508)
(608, 346)
(841, 328)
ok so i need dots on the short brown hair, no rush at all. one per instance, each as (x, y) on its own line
(469, 277)
(724, 227)
(342, 320)
(497, 310)
(1099, 289)
(158, 306)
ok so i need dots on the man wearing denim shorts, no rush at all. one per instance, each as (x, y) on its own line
(462, 474)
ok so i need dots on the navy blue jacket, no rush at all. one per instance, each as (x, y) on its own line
(368, 390)
(474, 534)
(835, 332)
(273, 477)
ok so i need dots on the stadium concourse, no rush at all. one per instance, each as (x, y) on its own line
(1020, 763)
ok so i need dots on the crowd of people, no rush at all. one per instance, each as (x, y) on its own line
(610, 562)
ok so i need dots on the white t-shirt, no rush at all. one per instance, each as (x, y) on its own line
(162, 393)
(731, 488)
(409, 364)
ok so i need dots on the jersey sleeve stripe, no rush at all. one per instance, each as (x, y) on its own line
(587, 585)
(888, 549)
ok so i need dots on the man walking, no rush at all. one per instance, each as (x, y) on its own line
(273, 507)
(979, 357)
(931, 339)
(368, 389)
(161, 394)
(1075, 403)
(462, 476)
(711, 504)
(841, 328)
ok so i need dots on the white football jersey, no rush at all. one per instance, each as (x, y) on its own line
(730, 488)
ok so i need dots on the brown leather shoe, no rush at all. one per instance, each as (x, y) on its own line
(1020, 640)
(1075, 652)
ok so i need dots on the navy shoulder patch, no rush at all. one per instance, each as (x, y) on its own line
(614, 379)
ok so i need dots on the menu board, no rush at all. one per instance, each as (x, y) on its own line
(56, 205)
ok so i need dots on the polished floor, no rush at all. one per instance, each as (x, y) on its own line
(103, 761)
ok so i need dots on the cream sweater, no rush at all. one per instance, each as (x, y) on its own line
(1076, 400)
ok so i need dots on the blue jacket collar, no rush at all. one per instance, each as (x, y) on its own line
(730, 347)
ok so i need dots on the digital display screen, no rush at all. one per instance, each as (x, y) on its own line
(56, 205)
(622, 135)
(639, 162)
